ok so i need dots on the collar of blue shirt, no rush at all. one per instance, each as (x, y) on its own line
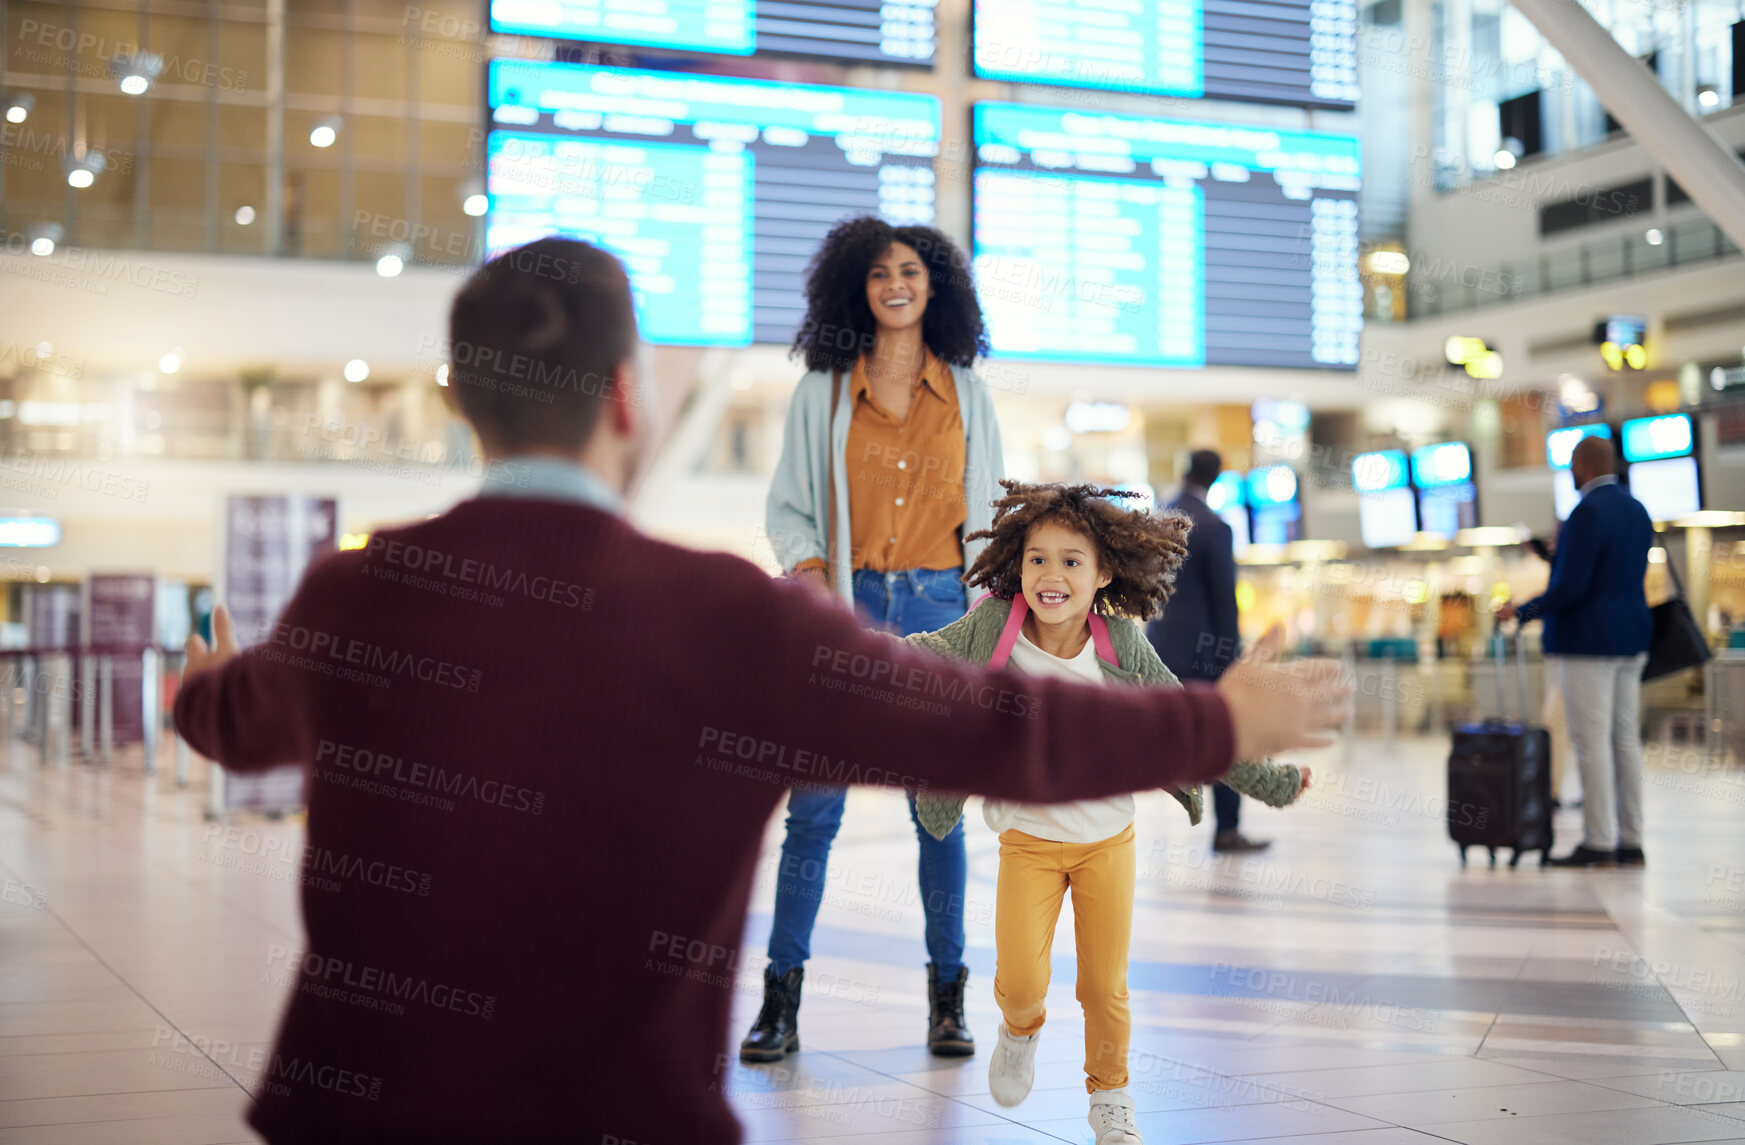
(1602, 479)
(540, 477)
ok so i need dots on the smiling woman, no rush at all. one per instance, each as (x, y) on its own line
(891, 443)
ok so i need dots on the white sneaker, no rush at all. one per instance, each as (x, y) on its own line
(1112, 1117)
(1012, 1068)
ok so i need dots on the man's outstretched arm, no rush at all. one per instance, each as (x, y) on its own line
(826, 686)
(241, 708)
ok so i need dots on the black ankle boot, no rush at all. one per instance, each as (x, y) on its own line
(776, 1033)
(947, 1034)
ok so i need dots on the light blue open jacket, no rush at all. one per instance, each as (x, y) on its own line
(796, 517)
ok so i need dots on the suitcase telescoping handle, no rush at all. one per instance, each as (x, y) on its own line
(1502, 663)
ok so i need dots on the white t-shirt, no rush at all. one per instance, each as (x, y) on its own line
(1084, 820)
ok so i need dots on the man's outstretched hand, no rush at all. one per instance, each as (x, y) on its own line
(1277, 707)
(223, 647)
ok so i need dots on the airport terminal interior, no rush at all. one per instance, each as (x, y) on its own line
(1402, 265)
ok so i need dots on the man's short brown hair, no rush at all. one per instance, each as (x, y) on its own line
(536, 339)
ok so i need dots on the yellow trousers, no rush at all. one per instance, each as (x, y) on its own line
(1034, 877)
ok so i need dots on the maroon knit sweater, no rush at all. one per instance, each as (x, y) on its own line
(543, 749)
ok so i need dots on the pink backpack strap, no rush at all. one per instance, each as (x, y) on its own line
(1100, 637)
(1009, 636)
(1015, 624)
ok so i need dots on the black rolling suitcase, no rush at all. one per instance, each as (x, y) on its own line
(1499, 777)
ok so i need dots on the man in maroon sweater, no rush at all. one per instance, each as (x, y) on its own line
(543, 749)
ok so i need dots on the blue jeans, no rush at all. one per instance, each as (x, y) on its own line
(915, 600)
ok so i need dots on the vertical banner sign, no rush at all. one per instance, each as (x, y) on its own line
(269, 542)
(52, 615)
(122, 609)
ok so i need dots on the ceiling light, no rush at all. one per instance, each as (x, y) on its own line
(1392, 262)
(473, 199)
(442, 374)
(170, 362)
(43, 238)
(326, 131)
(83, 170)
(136, 72)
(18, 106)
(357, 370)
(1707, 96)
(1576, 395)
(1487, 366)
(1711, 519)
(392, 259)
(1488, 536)
(1505, 160)
(1460, 350)
(1654, 237)
(244, 215)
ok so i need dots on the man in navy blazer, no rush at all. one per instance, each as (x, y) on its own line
(1197, 635)
(1598, 627)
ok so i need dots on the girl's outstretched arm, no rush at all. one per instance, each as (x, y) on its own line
(1274, 784)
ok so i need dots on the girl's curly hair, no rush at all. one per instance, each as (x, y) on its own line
(839, 325)
(1141, 551)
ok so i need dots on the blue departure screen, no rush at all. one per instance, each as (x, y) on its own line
(1130, 240)
(1277, 51)
(875, 31)
(714, 191)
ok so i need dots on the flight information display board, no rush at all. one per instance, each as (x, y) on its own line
(1277, 51)
(714, 191)
(1151, 242)
(875, 31)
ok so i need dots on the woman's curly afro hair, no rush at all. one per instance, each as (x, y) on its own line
(839, 326)
(1141, 551)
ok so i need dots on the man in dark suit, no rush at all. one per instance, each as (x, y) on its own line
(1197, 635)
(1598, 627)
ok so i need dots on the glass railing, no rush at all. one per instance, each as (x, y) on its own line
(397, 425)
(1447, 287)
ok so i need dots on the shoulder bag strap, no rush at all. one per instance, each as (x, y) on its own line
(830, 467)
(1100, 637)
(1009, 635)
(1015, 625)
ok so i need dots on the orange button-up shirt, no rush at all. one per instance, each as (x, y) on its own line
(905, 478)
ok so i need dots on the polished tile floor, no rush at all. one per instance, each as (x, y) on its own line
(1353, 985)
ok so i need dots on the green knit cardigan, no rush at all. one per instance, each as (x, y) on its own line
(972, 640)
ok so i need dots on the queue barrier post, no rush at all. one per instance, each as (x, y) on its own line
(150, 721)
(61, 699)
(1349, 657)
(183, 752)
(1390, 711)
(106, 707)
(39, 714)
(87, 706)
